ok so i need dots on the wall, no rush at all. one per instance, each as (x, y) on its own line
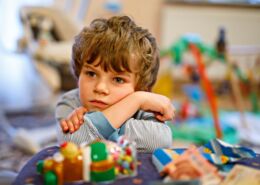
(145, 12)
(242, 24)
(168, 21)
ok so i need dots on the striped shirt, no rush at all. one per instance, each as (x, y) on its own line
(147, 132)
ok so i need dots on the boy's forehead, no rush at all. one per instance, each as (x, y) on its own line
(98, 67)
(109, 65)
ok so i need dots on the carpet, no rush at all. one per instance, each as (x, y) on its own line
(11, 157)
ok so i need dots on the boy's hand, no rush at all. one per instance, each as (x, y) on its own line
(159, 104)
(74, 120)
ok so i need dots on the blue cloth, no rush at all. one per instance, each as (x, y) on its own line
(104, 127)
(216, 151)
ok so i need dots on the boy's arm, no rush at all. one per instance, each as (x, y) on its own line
(128, 106)
(74, 120)
(98, 125)
(88, 132)
(148, 133)
(156, 103)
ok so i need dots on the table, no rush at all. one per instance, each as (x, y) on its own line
(147, 172)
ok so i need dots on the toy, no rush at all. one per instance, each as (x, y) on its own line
(192, 43)
(236, 92)
(101, 161)
(242, 175)
(48, 38)
(233, 69)
(192, 165)
(45, 35)
(215, 151)
(199, 163)
(208, 88)
(190, 107)
(188, 110)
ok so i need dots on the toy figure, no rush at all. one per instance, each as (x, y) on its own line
(45, 35)
(102, 166)
(197, 48)
(101, 161)
(192, 165)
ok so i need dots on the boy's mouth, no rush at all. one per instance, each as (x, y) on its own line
(98, 104)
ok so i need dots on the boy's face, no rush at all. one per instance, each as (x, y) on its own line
(99, 89)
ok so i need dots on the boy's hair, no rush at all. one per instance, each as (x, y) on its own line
(119, 44)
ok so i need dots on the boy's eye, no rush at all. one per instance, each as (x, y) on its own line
(90, 73)
(119, 80)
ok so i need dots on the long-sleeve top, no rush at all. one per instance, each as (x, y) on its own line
(143, 128)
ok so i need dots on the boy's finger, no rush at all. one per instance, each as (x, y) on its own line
(75, 126)
(71, 126)
(75, 121)
(159, 117)
(80, 114)
(64, 126)
(169, 114)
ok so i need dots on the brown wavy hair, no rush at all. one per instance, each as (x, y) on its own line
(119, 44)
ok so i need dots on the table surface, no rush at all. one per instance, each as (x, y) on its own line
(147, 172)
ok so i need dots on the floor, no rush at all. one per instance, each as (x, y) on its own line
(26, 102)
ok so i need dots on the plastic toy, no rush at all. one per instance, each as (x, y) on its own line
(208, 89)
(192, 43)
(101, 161)
(199, 163)
(188, 110)
(215, 151)
(48, 37)
(192, 165)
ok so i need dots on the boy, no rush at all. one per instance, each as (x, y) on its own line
(116, 64)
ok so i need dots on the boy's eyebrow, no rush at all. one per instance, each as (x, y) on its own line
(125, 73)
(88, 66)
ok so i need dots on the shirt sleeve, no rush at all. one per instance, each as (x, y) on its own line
(101, 123)
(95, 126)
(67, 104)
(87, 133)
(148, 133)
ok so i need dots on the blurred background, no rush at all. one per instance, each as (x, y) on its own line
(210, 67)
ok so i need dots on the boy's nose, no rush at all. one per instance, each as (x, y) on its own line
(101, 88)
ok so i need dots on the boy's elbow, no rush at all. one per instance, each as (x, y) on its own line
(165, 138)
(161, 139)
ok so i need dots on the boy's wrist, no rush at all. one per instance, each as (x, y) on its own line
(137, 97)
(140, 98)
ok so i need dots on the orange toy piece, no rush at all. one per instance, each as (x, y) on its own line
(208, 89)
(72, 160)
